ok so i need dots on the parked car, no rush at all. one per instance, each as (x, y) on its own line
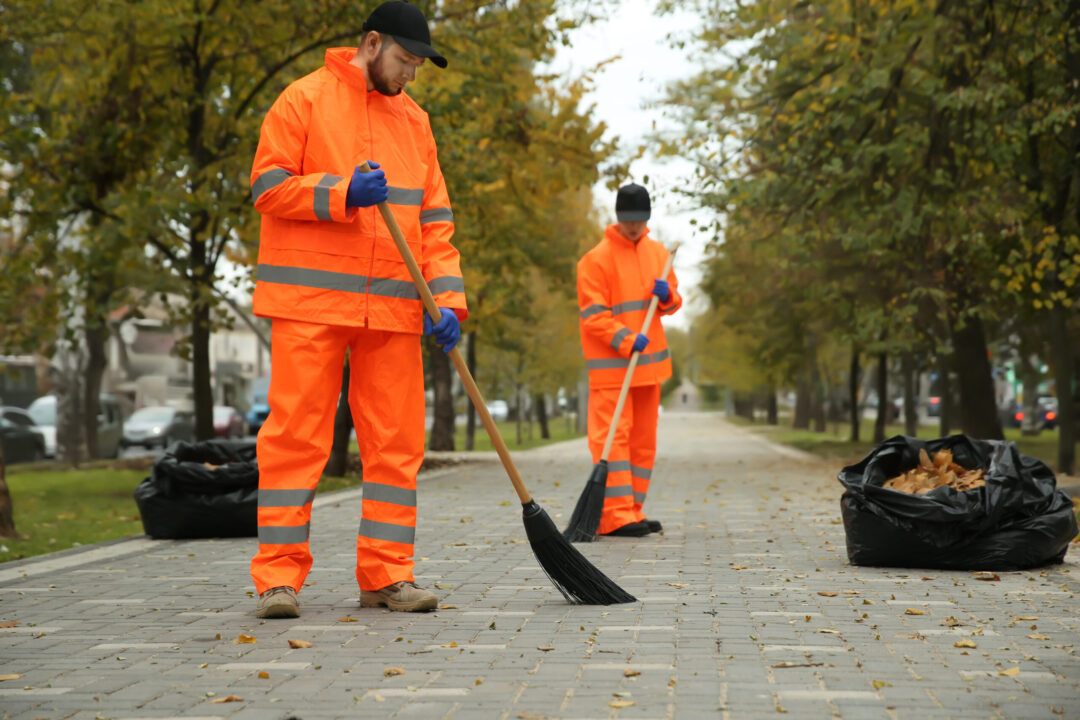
(228, 422)
(110, 423)
(22, 440)
(498, 409)
(158, 426)
(1045, 418)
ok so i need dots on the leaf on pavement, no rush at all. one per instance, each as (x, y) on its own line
(1039, 636)
(984, 575)
(679, 585)
(229, 698)
(347, 619)
(9, 624)
(545, 648)
(531, 716)
(739, 567)
(1028, 617)
(263, 674)
(392, 671)
(827, 593)
(622, 703)
(827, 631)
(449, 645)
(914, 611)
(965, 644)
(297, 644)
(631, 673)
(1011, 672)
(12, 676)
(243, 639)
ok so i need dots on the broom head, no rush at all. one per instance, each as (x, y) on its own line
(580, 582)
(590, 506)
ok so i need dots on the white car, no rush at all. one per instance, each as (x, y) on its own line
(498, 409)
(110, 424)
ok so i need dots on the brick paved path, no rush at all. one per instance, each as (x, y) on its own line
(730, 623)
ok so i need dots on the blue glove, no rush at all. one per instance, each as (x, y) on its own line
(447, 330)
(640, 342)
(367, 188)
(662, 290)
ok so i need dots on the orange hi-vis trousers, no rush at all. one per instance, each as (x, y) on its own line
(386, 395)
(633, 451)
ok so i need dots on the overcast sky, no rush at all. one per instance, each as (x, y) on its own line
(647, 63)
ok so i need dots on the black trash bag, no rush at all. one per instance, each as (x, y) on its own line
(1017, 520)
(185, 498)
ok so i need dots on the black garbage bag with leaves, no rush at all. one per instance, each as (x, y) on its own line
(1017, 520)
(201, 490)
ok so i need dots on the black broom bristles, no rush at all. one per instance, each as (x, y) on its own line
(590, 506)
(580, 582)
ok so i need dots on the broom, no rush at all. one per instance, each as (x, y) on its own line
(576, 578)
(590, 505)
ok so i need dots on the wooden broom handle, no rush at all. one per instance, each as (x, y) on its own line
(455, 356)
(653, 303)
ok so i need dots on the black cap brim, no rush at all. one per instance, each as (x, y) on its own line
(420, 50)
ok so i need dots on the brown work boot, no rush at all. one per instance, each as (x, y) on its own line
(278, 602)
(404, 596)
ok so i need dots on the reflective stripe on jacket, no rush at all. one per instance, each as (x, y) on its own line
(320, 262)
(614, 283)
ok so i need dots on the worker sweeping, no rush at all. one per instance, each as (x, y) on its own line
(331, 278)
(615, 281)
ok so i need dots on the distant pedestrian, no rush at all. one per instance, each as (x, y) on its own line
(332, 279)
(615, 281)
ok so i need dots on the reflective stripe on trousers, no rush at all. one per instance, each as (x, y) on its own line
(632, 452)
(386, 395)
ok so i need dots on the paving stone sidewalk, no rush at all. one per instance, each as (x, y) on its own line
(747, 609)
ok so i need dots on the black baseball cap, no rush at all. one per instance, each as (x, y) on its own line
(406, 24)
(632, 204)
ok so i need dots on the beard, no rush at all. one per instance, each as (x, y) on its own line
(379, 79)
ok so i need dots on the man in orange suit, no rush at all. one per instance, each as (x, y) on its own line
(332, 280)
(615, 282)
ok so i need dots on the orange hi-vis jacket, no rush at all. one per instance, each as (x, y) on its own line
(614, 283)
(321, 262)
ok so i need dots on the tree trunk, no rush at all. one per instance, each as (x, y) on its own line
(1029, 378)
(771, 411)
(978, 405)
(337, 465)
(541, 415)
(883, 403)
(801, 420)
(442, 428)
(1061, 351)
(201, 377)
(911, 415)
(853, 393)
(817, 393)
(470, 409)
(945, 409)
(97, 334)
(7, 510)
(744, 405)
(69, 371)
(518, 412)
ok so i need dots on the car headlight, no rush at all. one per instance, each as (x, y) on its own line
(155, 430)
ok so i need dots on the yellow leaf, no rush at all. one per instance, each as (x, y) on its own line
(1011, 672)
(678, 585)
(826, 631)
(545, 648)
(827, 593)
(965, 644)
(448, 607)
(1028, 617)
(297, 644)
(449, 645)
(631, 673)
(243, 639)
(1038, 636)
(622, 703)
(263, 674)
(739, 567)
(479, 681)
(347, 619)
(914, 611)
(878, 684)
(392, 671)
(230, 698)
(12, 676)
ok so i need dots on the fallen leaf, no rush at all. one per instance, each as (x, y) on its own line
(9, 623)
(914, 611)
(1028, 617)
(1011, 672)
(827, 593)
(878, 684)
(951, 622)
(448, 607)
(204, 665)
(1038, 636)
(530, 716)
(739, 567)
(378, 698)
(927, 578)
(449, 645)
(622, 703)
(679, 585)
(297, 644)
(965, 644)
(263, 674)
(545, 648)
(829, 632)
(243, 639)
(347, 619)
(794, 664)
(392, 671)
(990, 576)
(631, 673)
(443, 586)
(479, 681)
(851, 592)
(12, 676)
(230, 698)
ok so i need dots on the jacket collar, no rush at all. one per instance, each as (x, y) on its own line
(612, 233)
(338, 62)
